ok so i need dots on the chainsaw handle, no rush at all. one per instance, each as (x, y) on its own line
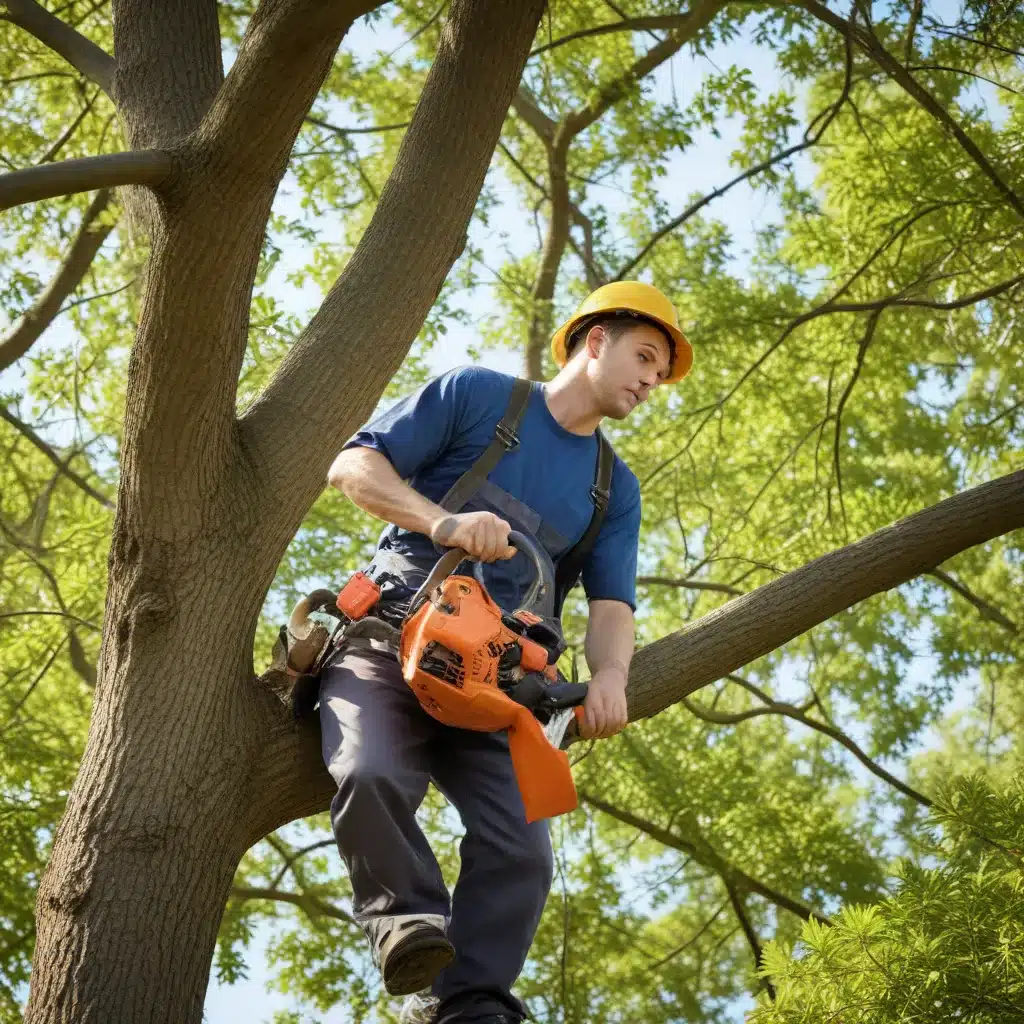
(541, 588)
(543, 585)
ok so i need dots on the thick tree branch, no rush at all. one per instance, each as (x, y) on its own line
(328, 383)
(183, 370)
(988, 611)
(169, 67)
(81, 53)
(282, 61)
(751, 626)
(311, 905)
(701, 851)
(294, 782)
(873, 47)
(150, 167)
(27, 432)
(86, 244)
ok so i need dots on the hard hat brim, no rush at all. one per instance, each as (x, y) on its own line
(684, 350)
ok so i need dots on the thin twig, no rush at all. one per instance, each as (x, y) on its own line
(736, 899)
(862, 348)
(26, 431)
(63, 615)
(35, 682)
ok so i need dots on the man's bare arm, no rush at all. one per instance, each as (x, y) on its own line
(367, 478)
(609, 644)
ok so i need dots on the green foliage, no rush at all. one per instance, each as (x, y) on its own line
(947, 945)
(811, 418)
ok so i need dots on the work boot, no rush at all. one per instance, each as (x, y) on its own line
(420, 1008)
(410, 950)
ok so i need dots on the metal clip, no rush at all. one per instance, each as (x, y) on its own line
(507, 436)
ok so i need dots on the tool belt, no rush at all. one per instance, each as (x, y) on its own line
(469, 663)
(323, 624)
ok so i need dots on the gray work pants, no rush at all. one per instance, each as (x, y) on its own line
(383, 749)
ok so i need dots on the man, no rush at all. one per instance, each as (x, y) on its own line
(381, 747)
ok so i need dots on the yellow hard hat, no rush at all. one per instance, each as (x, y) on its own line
(632, 297)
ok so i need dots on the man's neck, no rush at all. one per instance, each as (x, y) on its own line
(571, 401)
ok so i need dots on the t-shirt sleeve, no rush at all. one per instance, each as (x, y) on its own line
(609, 573)
(417, 429)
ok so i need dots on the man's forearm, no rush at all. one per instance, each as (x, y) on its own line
(368, 479)
(610, 638)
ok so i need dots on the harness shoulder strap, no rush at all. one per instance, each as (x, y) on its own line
(504, 440)
(570, 565)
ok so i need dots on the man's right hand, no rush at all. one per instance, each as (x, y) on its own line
(482, 535)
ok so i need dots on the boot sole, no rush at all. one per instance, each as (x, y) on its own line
(415, 963)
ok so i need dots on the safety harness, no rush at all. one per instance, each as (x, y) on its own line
(305, 643)
(570, 565)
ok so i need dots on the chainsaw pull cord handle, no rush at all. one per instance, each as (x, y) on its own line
(541, 588)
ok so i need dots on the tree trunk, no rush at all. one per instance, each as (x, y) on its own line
(175, 783)
(129, 907)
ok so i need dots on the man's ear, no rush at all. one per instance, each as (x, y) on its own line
(594, 340)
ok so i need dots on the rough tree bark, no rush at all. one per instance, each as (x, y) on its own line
(167, 798)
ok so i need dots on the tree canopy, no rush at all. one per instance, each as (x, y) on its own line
(830, 830)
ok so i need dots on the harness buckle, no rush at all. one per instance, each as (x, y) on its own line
(507, 436)
(599, 498)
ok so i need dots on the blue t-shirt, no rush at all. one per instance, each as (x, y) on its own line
(433, 436)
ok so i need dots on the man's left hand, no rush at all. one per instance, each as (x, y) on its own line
(604, 711)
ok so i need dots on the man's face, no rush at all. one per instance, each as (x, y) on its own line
(625, 371)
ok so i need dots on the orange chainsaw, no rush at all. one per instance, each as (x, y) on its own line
(474, 666)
